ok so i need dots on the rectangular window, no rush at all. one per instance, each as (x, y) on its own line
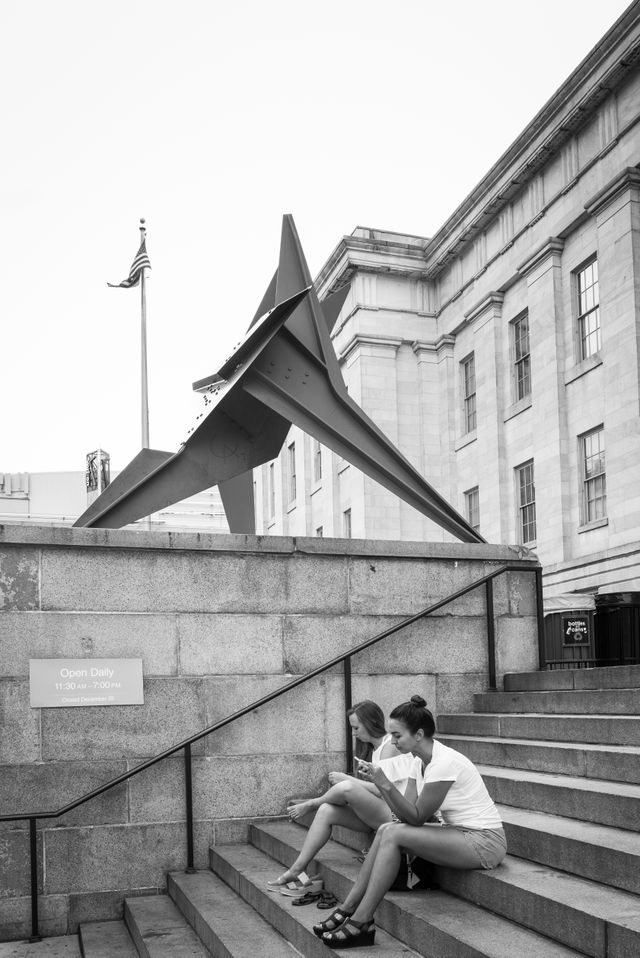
(521, 357)
(469, 393)
(319, 532)
(317, 461)
(472, 506)
(346, 523)
(272, 490)
(594, 480)
(526, 502)
(291, 463)
(588, 310)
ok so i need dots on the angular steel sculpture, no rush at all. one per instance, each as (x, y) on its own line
(284, 371)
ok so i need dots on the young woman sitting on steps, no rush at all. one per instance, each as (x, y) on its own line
(441, 778)
(352, 802)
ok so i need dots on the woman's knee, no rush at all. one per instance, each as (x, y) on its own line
(326, 813)
(390, 832)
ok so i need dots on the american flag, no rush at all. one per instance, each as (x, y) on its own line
(140, 262)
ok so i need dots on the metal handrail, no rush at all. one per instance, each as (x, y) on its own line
(344, 659)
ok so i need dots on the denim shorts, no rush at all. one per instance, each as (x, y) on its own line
(489, 844)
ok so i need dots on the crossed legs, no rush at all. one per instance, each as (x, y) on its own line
(346, 803)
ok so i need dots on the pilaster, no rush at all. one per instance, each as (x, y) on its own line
(616, 210)
(543, 275)
(486, 320)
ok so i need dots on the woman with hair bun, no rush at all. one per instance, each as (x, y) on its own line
(353, 802)
(440, 779)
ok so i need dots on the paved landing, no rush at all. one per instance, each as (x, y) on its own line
(67, 946)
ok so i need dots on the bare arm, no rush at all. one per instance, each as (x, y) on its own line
(411, 808)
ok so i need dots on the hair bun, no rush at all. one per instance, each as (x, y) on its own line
(419, 701)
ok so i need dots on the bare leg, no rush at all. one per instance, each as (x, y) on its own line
(370, 808)
(443, 846)
(319, 833)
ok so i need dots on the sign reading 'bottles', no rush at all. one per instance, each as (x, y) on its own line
(65, 683)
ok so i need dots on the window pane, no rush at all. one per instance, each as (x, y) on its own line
(527, 504)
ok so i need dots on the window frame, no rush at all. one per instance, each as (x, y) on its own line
(317, 461)
(522, 361)
(469, 396)
(271, 490)
(584, 315)
(471, 498)
(526, 510)
(596, 480)
(292, 488)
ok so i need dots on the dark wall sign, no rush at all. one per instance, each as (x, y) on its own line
(575, 630)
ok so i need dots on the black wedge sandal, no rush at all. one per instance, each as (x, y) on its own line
(335, 919)
(345, 937)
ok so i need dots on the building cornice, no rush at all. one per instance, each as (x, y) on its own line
(362, 339)
(628, 179)
(578, 98)
(370, 254)
(551, 247)
(491, 302)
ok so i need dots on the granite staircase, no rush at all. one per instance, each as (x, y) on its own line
(560, 753)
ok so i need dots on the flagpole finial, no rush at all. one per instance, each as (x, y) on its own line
(142, 227)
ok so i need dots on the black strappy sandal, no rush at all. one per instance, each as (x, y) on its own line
(335, 920)
(344, 937)
(307, 898)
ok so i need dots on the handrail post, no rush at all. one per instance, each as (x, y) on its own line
(347, 705)
(491, 636)
(33, 855)
(188, 786)
(542, 652)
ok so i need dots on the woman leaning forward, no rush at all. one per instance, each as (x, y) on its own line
(441, 779)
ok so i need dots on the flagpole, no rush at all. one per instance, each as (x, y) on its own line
(143, 323)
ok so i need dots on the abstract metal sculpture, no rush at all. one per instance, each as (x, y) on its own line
(284, 371)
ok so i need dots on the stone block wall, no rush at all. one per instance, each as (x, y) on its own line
(219, 622)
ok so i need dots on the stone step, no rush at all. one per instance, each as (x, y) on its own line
(159, 930)
(579, 702)
(104, 939)
(615, 763)
(595, 729)
(435, 923)
(225, 923)
(588, 799)
(247, 870)
(62, 946)
(610, 677)
(602, 922)
(610, 856)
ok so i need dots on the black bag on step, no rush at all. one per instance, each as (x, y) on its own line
(414, 873)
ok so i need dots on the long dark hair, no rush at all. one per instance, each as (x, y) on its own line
(371, 716)
(415, 714)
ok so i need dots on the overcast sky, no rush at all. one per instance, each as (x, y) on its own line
(211, 120)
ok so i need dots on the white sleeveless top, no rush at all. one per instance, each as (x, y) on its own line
(397, 768)
(375, 757)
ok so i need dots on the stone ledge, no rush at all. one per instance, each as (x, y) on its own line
(20, 534)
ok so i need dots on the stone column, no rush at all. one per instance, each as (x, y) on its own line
(616, 210)
(543, 275)
(493, 481)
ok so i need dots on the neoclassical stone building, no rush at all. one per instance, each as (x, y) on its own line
(502, 354)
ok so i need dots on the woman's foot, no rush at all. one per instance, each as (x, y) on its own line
(335, 920)
(351, 934)
(285, 878)
(300, 809)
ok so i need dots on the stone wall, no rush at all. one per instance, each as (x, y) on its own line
(219, 621)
